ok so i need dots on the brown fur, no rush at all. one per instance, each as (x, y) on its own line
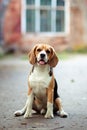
(53, 59)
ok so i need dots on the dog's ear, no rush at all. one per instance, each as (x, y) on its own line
(53, 59)
(32, 56)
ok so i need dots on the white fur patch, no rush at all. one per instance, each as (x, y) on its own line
(49, 113)
(42, 52)
(39, 80)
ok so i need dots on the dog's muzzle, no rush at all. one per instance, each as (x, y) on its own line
(42, 60)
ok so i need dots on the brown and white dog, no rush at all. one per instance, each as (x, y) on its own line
(42, 90)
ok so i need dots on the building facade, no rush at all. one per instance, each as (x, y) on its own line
(61, 23)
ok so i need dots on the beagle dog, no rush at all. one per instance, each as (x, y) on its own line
(42, 86)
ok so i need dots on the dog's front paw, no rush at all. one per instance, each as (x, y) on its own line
(63, 114)
(28, 115)
(49, 115)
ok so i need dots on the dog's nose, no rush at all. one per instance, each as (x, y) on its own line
(42, 55)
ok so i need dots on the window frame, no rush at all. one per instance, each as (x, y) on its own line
(66, 31)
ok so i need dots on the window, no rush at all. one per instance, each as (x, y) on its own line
(30, 19)
(45, 2)
(45, 22)
(30, 2)
(45, 16)
(59, 21)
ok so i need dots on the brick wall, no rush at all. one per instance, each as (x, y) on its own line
(12, 23)
(12, 29)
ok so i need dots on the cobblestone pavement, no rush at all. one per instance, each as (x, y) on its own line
(71, 75)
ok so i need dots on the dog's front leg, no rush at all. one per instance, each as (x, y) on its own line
(50, 92)
(29, 104)
(49, 113)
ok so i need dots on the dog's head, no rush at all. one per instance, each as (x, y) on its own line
(43, 54)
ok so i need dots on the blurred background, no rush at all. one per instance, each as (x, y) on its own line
(60, 23)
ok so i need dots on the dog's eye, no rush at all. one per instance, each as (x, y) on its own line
(47, 51)
(38, 49)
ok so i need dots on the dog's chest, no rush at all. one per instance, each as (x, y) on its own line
(39, 80)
